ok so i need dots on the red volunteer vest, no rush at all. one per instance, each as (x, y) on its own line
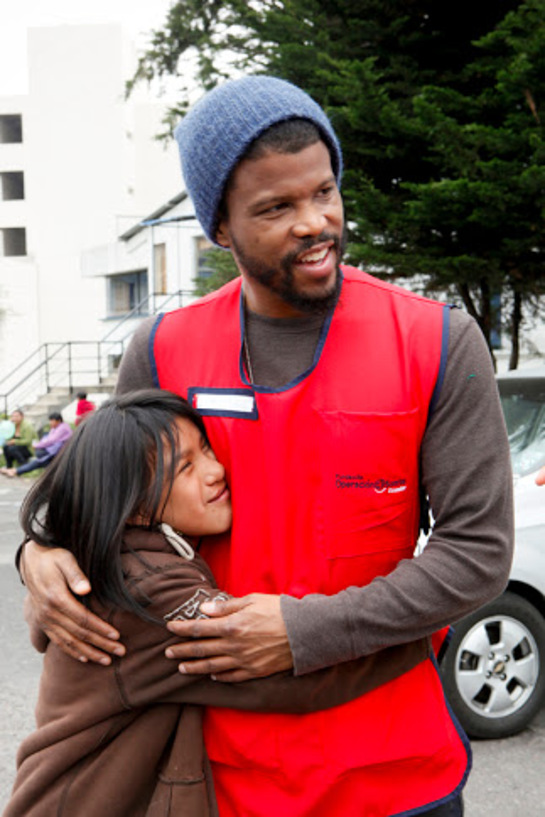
(324, 477)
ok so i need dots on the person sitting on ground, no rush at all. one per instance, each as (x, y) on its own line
(19, 447)
(84, 407)
(46, 448)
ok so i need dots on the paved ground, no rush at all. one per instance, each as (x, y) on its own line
(508, 777)
(19, 665)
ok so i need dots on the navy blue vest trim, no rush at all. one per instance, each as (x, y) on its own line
(317, 352)
(151, 353)
(444, 645)
(452, 806)
(443, 359)
(421, 811)
(242, 323)
(216, 402)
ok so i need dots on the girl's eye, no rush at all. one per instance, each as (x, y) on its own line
(185, 466)
(206, 448)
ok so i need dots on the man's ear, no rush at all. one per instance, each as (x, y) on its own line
(222, 235)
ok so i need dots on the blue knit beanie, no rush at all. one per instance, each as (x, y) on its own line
(219, 129)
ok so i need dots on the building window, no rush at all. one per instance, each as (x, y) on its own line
(204, 270)
(12, 186)
(13, 241)
(127, 292)
(160, 269)
(11, 128)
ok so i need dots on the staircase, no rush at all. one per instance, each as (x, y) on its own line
(58, 398)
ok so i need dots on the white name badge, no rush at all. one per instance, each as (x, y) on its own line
(224, 402)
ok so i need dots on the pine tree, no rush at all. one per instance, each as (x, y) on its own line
(439, 108)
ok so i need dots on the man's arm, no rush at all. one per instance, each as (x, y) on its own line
(135, 370)
(53, 579)
(466, 471)
(172, 587)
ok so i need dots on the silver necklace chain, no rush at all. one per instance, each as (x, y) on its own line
(246, 347)
(247, 351)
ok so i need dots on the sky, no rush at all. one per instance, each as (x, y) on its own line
(16, 16)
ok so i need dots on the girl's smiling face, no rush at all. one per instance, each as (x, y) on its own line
(199, 502)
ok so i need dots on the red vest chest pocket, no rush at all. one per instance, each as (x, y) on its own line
(367, 508)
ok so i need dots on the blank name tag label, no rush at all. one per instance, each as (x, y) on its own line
(224, 402)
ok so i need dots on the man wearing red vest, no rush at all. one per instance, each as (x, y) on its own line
(335, 402)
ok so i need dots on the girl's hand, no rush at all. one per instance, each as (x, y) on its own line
(242, 638)
(52, 575)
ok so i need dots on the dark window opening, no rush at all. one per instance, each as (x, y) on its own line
(11, 128)
(127, 291)
(14, 241)
(12, 186)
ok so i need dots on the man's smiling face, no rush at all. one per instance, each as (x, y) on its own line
(284, 226)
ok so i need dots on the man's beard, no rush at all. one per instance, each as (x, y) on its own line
(280, 280)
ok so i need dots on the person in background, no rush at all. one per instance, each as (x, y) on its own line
(19, 447)
(83, 407)
(46, 448)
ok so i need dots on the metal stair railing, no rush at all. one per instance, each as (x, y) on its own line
(72, 364)
(61, 366)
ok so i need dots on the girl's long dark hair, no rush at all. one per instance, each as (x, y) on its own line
(114, 469)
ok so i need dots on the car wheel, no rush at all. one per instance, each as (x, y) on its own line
(494, 667)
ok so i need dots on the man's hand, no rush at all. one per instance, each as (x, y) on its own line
(243, 638)
(50, 574)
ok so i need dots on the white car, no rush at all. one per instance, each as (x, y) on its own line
(494, 666)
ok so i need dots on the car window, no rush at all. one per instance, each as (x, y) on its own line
(523, 403)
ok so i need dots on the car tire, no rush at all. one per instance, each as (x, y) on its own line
(494, 667)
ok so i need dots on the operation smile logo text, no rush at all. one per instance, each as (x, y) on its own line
(361, 483)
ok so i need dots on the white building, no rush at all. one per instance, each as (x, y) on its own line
(79, 166)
